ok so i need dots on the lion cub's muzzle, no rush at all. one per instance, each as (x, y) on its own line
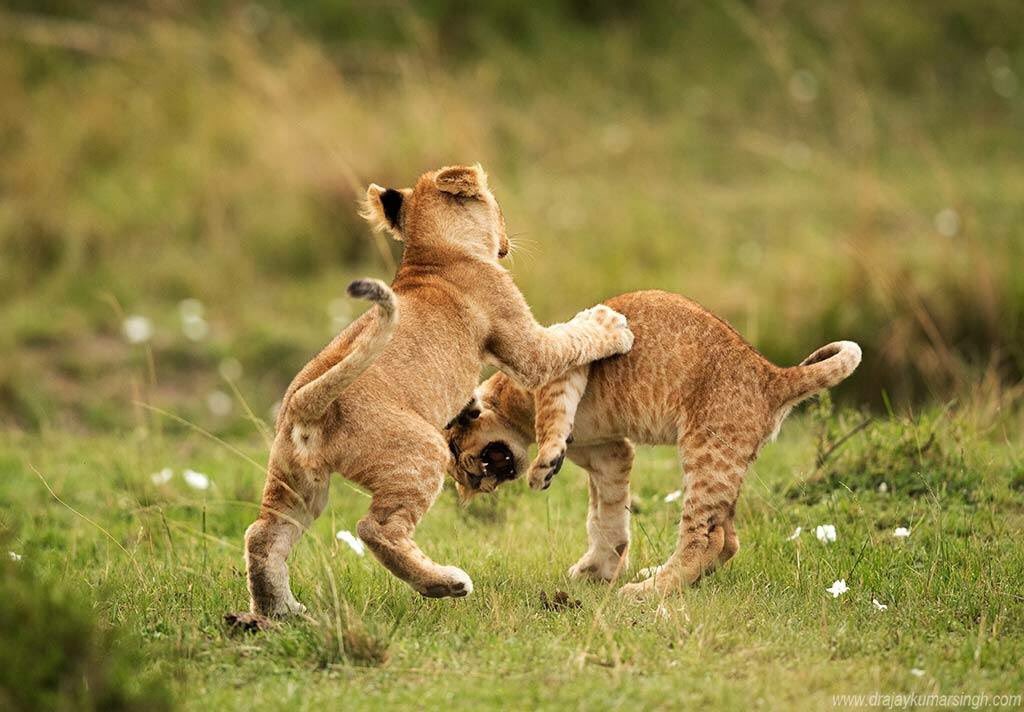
(497, 464)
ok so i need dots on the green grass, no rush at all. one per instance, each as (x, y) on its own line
(763, 631)
(809, 171)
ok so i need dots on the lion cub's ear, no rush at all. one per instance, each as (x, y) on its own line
(467, 181)
(383, 208)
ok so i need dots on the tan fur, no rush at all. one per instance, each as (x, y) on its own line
(371, 405)
(690, 380)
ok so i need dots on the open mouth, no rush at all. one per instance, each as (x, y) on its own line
(497, 464)
(497, 461)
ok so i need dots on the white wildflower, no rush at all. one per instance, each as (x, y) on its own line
(15, 556)
(1004, 82)
(795, 535)
(190, 309)
(826, 533)
(947, 222)
(673, 496)
(195, 328)
(917, 672)
(354, 542)
(196, 480)
(883, 488)
(137, 329)
(803, 86)
(162, 477)
(838, 588)
(230, 369)
(901, 532)
(879, 605)
(219, 403)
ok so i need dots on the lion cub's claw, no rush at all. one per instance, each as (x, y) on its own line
(542, 470)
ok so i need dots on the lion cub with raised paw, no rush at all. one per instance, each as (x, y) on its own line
(371, 405)
(691, 381)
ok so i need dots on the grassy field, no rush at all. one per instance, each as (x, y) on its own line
(163, 563)
(178, 223)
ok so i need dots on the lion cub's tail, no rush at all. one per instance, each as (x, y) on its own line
(311, 401)
(826, 367)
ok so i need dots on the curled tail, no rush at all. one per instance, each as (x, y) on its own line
(826, 367)
(312, 400)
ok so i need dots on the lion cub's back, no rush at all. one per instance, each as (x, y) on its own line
(681, 356)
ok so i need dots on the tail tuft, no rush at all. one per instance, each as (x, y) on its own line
(375, 291)
(825, 368)
(312, 400)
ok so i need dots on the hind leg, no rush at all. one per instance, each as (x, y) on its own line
(713, 477)
(402, 494)
(291, 501)
(608, 466)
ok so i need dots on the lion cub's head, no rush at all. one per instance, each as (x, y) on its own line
(449, 208)
(486, 450)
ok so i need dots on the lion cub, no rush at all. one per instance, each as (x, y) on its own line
(690, 380)
(371, 405)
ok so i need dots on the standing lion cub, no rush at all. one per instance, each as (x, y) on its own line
(371, 405)
(691, 381)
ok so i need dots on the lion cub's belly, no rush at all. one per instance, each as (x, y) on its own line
(626, 408)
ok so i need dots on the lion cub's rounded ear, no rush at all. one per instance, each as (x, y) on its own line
(382, 208)
(467, 181)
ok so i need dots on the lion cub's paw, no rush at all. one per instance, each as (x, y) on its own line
(660, 584)
(280, 609)
(598, 567)
(451, 581)
(544, 467)
(613, 325)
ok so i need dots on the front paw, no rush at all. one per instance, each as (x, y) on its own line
(544, 468)
(450, 581)
(613, 326)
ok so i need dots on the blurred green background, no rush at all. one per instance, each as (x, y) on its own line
(178, 182)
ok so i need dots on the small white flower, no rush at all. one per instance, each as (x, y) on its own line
(354, 542)
(901, 532)
(230, 369)
(162, 477)
(795, 535)
(883, 488)
(826, 533)
(917, 672)
(137, 329)
(195, 328)
(196, 480)
(190, 309)
(14, 555)
(838, 588)
(880, 606)
(947, 222)
(673, 496)
(803, 86)
(219, 403)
